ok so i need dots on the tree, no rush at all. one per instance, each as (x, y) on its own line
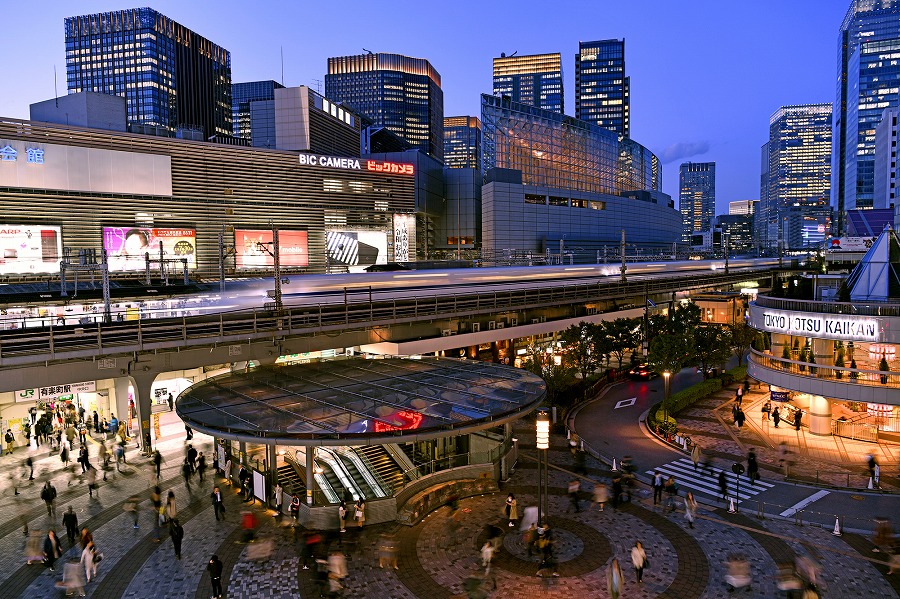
(578, 349)
(883, 366)
(742, 335)
(839, 362)
(712, 347)
(623, 335)
(684, 319)
(669, 353)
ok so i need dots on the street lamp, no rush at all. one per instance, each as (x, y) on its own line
(542, 428)
(666, 379)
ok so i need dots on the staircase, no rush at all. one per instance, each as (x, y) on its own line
(383, 465)
(290, 480)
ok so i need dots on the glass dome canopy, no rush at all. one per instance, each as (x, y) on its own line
(360, 402)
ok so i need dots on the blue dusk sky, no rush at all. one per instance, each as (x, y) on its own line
(706, 75)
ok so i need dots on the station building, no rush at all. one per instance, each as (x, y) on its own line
(836, 361)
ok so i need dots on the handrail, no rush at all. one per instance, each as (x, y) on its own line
(35, 345)
(796, 305)
(857, 376)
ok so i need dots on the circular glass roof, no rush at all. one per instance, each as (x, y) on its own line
(360, 402)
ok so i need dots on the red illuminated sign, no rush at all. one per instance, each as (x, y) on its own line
(408, 420)
(396, 168)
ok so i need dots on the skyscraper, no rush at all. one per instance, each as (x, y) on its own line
(462, 142)
(602, 94)
(885, 170)
(799, 153)
(867, 82)
(170, 77)
(254, 97)
(743, 207)
(536, 80)
(697, 197)
(399, 93)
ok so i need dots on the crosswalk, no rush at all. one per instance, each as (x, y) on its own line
(701, 481)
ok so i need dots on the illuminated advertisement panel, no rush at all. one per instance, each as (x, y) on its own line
(253, 246)
(26, 249)
(126, 246)
(356, 250)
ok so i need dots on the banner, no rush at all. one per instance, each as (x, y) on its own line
(403, 223)
(126, 246)
(251, 244)
(850, 244)
(26, 249)
(780, 395)
(54, 392)
(356, 250)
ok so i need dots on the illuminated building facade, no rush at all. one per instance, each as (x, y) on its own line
(399, 93)
(170, 77)
(697, 197)
(535, 80)
(602, 91)
(253, 107)
(867, 81)
(462, 142)
(799, 170)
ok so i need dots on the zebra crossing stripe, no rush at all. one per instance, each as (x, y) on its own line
(682, 470)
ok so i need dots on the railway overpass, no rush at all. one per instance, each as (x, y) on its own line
(136, 352)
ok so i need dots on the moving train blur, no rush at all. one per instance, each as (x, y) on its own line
(312, 289)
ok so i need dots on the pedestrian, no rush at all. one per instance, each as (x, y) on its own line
(48, 494)
(227, 472)
(512, 509)
(487, 553)
(32, 413)
(723, 485)
(574, 489)
(690, 509)
(91, 478)
(658, 486)
(360, 512)
(243, 475)
(192, 457)
(342, 515)
(201, 465)
(337, 571)
(86, 537)
(871, 462)
(752, 467)
(171, 401)
(29, 463)
(176, 532)
(639, 560)
(70, 521)
(188, 432)
(133, 506)
(798, 414)
(766, 410)
(529, 538)
(387, 552)
(278, 499)
(186, 473)
(171, 509)
(614, 579)
(696, 454)
(218, 504)
(157, 462)
(103, 457)
(617, 491)
(120, 456)
(96, 422)
(601, 495)
(739, 419)
(671, 489)
(740, 395)
(52, 549)
(64, 453)
(214, 567)
(295, 507)
(89, 560)
(876, 477)
(776, 416)
(10, 439)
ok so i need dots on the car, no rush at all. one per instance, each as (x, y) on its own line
(642, 372)
(388, 267)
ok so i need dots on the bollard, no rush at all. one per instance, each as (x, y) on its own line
(870, 483)
(798, 517)
(760, 509)
(837, 527)
(614, 469)
(731, 509)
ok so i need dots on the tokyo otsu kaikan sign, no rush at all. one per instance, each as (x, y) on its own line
(829, 326)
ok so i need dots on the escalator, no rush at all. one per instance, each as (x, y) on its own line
(381, 462)
(362, 474)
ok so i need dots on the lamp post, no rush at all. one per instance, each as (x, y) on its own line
(667, 376)
(542, 428)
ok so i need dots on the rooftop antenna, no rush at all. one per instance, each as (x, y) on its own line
(55, 91)
(368, 51)
(282, 65)
(318, 83)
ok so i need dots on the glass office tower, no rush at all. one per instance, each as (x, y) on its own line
(799, 170)
(697, 197)
(602, 91)
(462, 142)
(263, 94)
(535, 80)
(867, 81)
(399, 93)
(171, 78)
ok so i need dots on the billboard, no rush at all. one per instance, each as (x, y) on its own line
(250, 247)
(125, 246)
(356, 250)
(850, 244)
(404, 225)
(29, 249)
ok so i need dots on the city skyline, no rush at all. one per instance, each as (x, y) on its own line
(725, 120)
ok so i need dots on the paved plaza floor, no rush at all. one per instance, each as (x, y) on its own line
(685, 562)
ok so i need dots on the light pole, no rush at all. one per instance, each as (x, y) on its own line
(542, 428)
(666, 379)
